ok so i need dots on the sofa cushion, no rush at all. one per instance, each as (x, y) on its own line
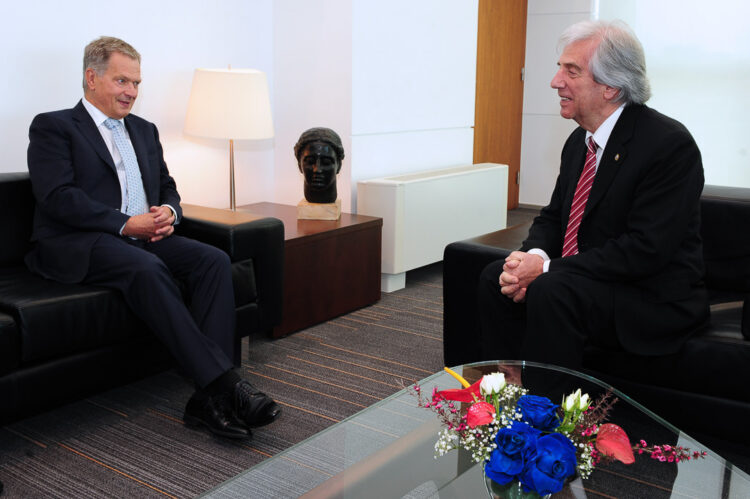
(55, 319)
(16, 215)
(715, 362)
(10, 344)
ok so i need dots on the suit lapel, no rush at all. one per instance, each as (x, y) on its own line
(88, 129)
(613, 157)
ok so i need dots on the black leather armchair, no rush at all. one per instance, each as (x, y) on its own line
(703, 388)
(63, 341)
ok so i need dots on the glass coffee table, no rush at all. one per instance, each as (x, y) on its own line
(387, 451)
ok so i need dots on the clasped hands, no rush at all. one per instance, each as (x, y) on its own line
(152, 226)
(519, 270)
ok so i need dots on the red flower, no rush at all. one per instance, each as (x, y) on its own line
(462, 394)
(614, 442)
(479, 414)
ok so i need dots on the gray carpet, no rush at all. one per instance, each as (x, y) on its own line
(131, 442)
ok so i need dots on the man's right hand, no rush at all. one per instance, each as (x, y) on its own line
(149, 226)
(509, 283)
(140, 226)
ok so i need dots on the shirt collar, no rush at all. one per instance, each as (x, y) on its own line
(96, 114)
(601, 136)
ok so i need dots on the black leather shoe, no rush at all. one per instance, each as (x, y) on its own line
(254, 407)
(215, 413)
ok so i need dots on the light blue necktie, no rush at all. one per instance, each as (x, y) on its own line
(137, 203)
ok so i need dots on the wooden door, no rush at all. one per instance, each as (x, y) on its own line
(501, 49)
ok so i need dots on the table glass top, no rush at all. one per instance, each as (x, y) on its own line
(387, 450)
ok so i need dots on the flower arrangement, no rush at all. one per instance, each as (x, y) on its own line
(527, 438)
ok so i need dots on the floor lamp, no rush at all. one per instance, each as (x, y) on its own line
(229, 104)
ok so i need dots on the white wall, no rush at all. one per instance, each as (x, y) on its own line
(543, 130)
(312, 86)
(699, 68)
(698, 63)
(394, 79)
(413, 90)
(43, 44)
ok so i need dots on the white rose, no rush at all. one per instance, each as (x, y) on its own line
(585, 402)
(492, 383)
(573, 400)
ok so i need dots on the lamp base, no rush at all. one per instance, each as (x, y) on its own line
(318, 211)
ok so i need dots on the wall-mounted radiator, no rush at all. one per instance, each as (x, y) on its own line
(423, 212)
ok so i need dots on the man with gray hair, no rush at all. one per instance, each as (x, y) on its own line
(615, 258)
(106, 207)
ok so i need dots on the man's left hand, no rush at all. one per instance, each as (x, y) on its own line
(163, 220)
(519, 271)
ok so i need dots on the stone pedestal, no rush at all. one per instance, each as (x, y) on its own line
(318, 211)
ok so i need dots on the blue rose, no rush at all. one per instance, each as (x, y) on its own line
(514, 446)
(539, 412)
(554, 461)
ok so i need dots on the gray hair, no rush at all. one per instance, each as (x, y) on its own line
(618, 61)
(97, 53)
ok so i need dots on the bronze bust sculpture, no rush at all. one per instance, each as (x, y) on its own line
(319, 154)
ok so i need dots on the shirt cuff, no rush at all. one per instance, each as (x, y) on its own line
(174, 213)
(543, 254)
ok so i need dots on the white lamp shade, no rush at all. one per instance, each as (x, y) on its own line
(229, 104)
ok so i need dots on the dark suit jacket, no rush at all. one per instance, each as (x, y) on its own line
(77, 190)
(639, 230)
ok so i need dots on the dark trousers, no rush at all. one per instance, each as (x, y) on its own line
(561, 313)
(199, 329)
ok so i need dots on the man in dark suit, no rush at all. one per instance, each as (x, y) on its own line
(615, 259)
(106, 207)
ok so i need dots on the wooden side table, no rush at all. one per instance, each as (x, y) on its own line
(330, 267)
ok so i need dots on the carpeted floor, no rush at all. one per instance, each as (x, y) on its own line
(131, 442)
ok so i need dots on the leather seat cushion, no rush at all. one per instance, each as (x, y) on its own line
(715, 363)
(55, 319)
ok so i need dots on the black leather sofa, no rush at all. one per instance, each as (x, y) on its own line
(63, 341)
(703, 389)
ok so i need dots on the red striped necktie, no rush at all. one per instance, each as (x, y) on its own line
(586, 180)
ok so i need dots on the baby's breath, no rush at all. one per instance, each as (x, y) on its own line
(580, 421)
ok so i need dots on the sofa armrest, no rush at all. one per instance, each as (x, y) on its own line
(241, 235)
(244, 236)
(463, 262)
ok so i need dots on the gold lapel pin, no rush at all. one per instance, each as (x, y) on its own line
(617, 157)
